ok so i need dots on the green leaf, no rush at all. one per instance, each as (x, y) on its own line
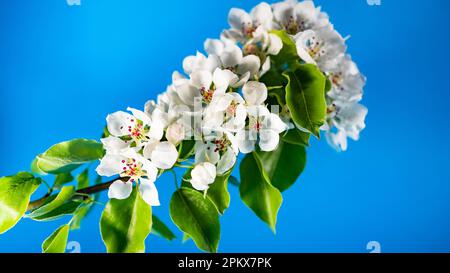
(67, 156)
(79, 214)
(62, 179)
(83, 179)
(186, 238)
(328, 85)
(297, 137)
(256, 191)
(197, 217)
(217, 192)
(15, 192)
(185, 149)
(305, 97)
(233, 181)
(125, 224)
(65, 209)
(288, 53)
(279, 94)
(161, 229)
(284, 165)
(56, 243)
(105, 133)
(35, 169)
(64, 195)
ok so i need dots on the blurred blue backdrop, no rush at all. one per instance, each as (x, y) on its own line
(64, 68)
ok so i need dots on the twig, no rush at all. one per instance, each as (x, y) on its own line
(89, 190)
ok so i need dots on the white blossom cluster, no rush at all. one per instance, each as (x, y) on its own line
(219, 102)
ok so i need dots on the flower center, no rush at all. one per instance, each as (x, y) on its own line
(231, 110)
(248, 29)
(315, 47)
(336, 78)
(137, 131)
(221, 144)
(255, 123)
(132, 168)
(207, 94)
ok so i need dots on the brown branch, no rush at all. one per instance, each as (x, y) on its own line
(89, 190)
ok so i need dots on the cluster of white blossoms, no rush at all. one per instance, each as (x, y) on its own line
(219, 102)
(319, 43)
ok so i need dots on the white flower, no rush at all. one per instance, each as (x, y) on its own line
(203, 175)
(114, 144)
(162, 154)
(349, 122)
(204, 84)
(175, 133)
(347, 82)
(219, 148)
(255, 93)
(351, 119)
(136, 128)
(199, 62)
(337, 140)
(244, 26)
(231, 58)
(226, 111)
(263, 129)
(321, 47)
(296, 17)
(130, 164)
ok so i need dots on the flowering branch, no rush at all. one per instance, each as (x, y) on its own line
(279, 75)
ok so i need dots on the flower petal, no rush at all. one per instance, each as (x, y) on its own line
(231, 56)
(223, 78)
(275, 44)
(113, 144)
(262, 15)
(255, 93)
(149, 192)
(120, 190)
(237, 18)
(110, 165)
(162, 154)
(118, 123)
(140, 115)
(246, 141)
(214, 46)
(275, 123)
(250, 63)
(206, 153)
(226, 162)
(202, 175)
(188, 93)
(268, 140)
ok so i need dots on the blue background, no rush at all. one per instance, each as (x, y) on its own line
(64, 68)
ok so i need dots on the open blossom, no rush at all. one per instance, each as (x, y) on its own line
(244, 26)
(349, 121)
(219, 148)
(230, 57)
(200, 62)
(226, 111)
(263, 130)
(320, 47)
(347, 82)
(136, 169)
(294, 17)
(135, 128)
(204, 84)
